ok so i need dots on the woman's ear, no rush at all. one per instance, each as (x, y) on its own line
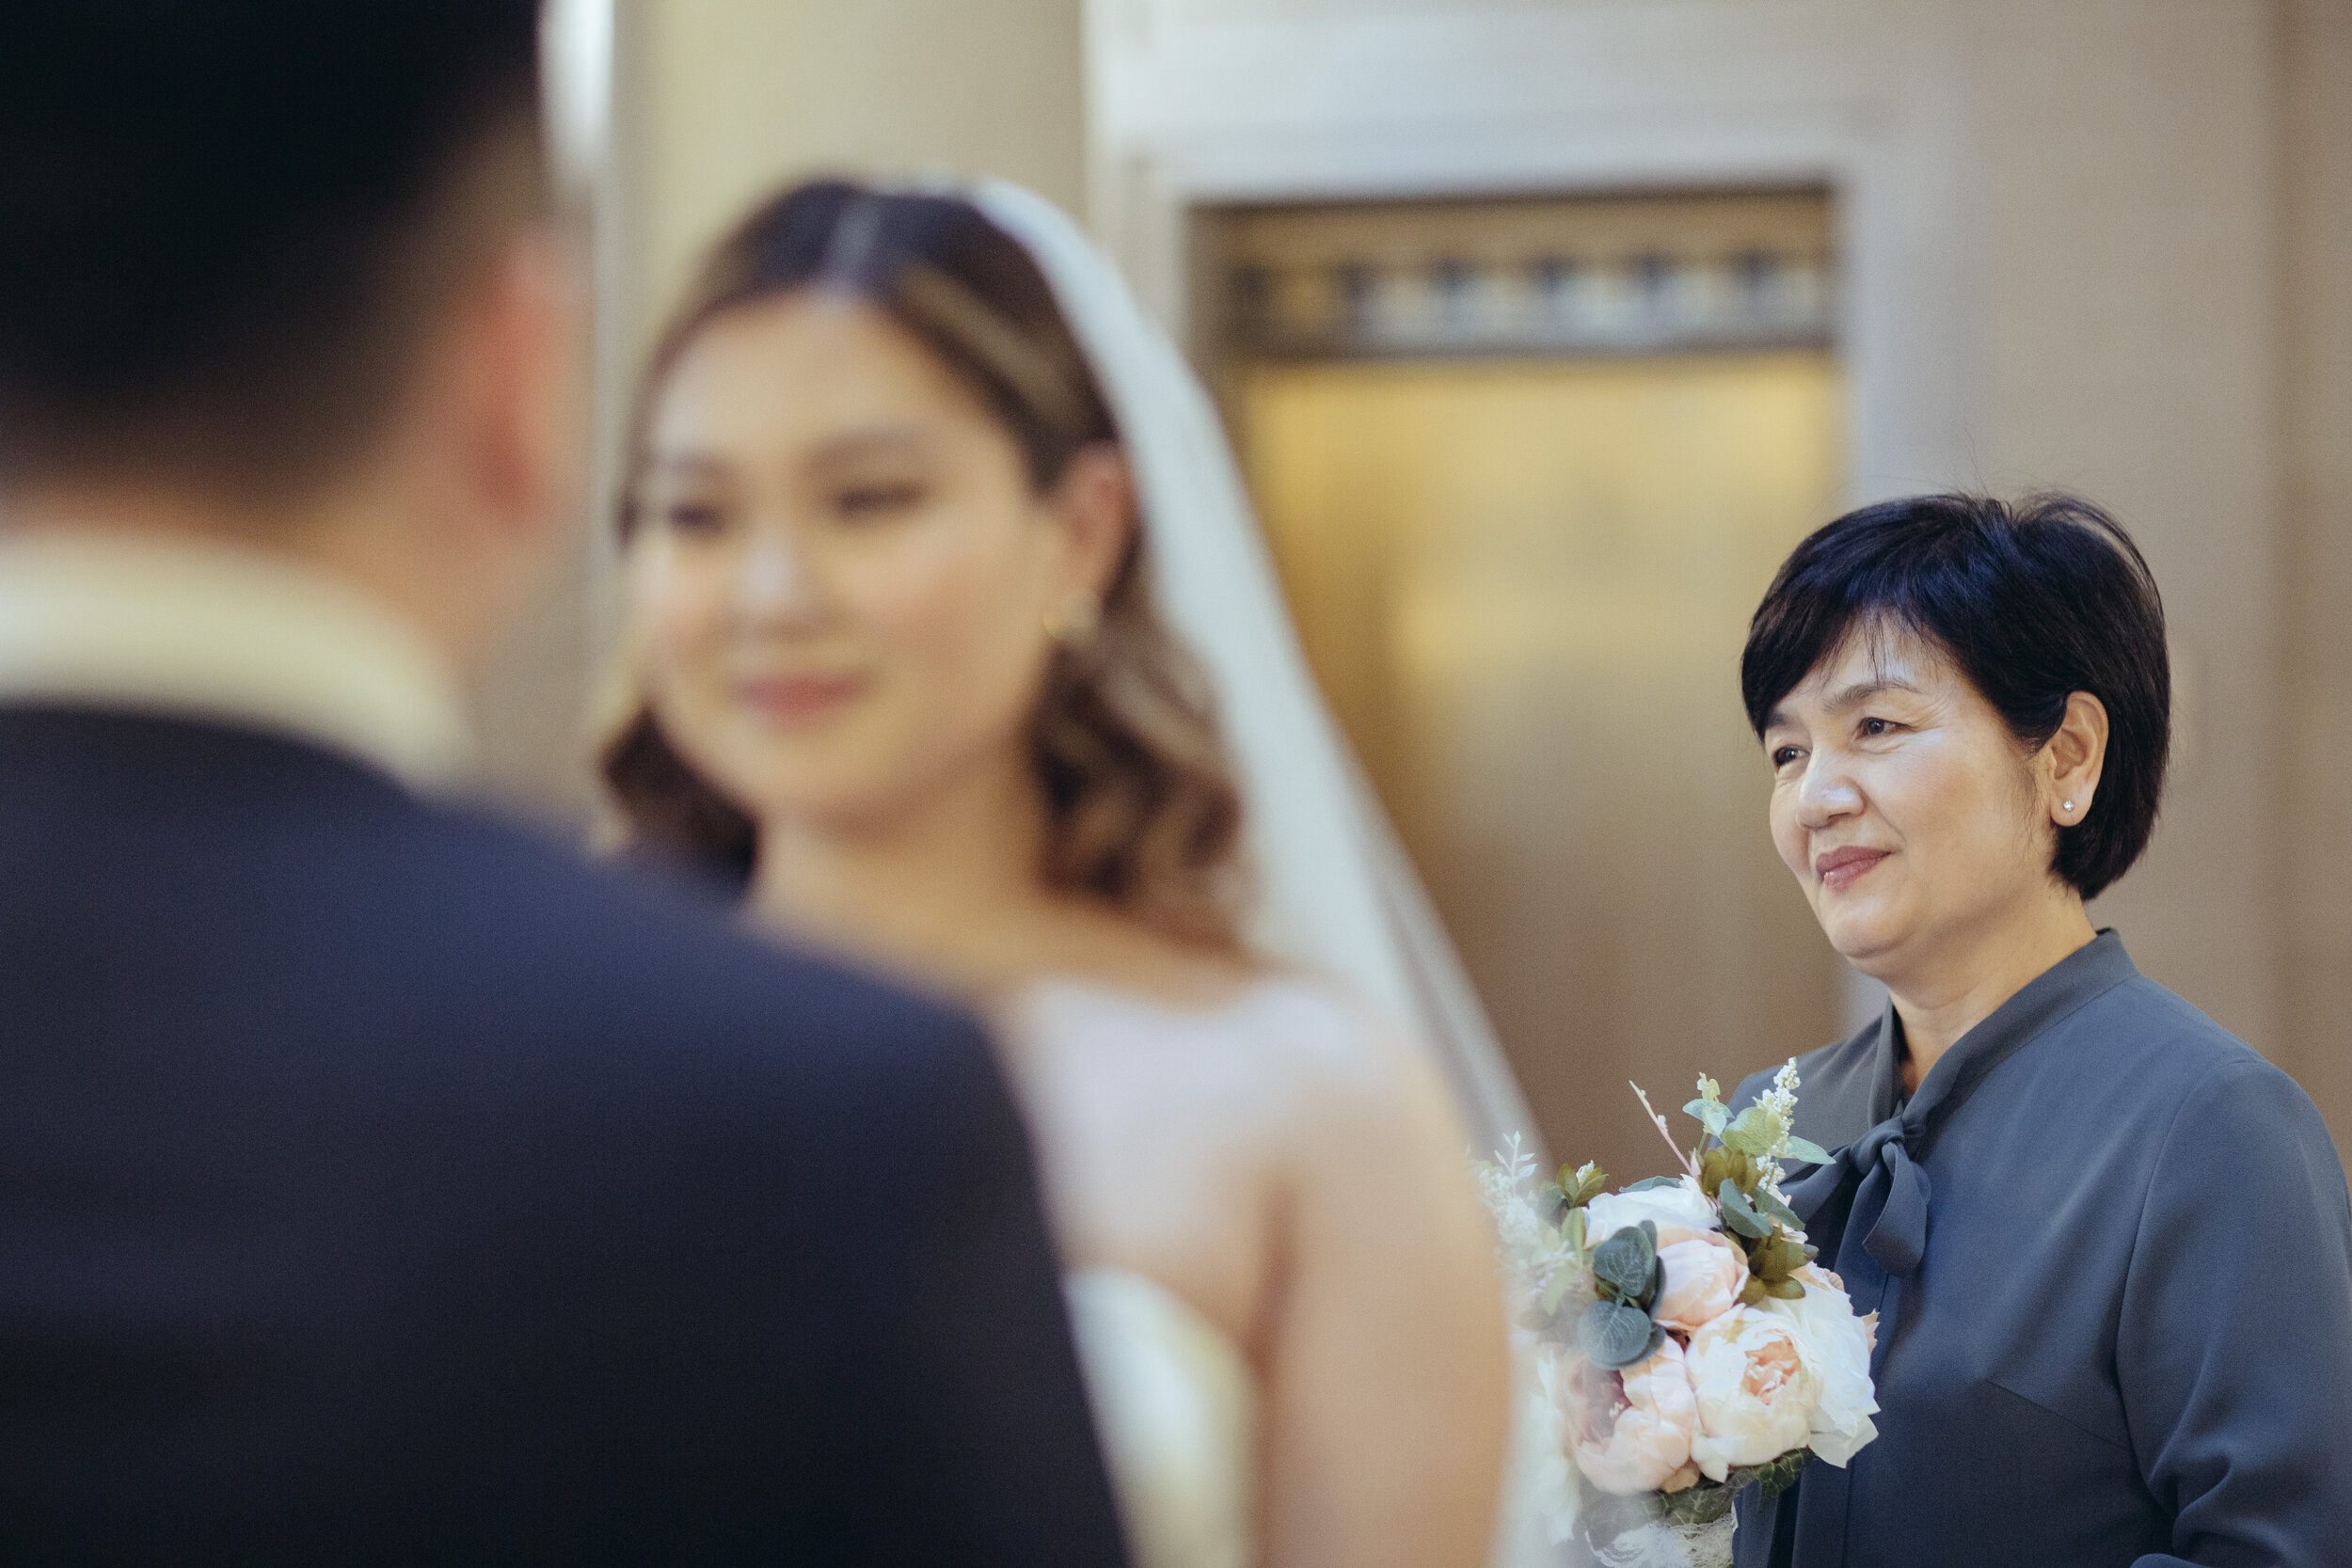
(2078, 754)
(1095, 500)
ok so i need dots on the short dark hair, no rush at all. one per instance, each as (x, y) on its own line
(2033, 603)
(223, 223)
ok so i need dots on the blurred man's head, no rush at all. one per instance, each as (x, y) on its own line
(278, 266)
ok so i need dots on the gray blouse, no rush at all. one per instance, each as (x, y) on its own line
(2111, 1253)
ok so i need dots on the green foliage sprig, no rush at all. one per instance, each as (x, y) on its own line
(1742, 1172)
(1620, 1329)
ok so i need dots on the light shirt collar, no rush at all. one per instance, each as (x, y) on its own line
(226, 633)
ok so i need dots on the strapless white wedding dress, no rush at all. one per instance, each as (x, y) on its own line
(1176, 1401)
(1176, 1406)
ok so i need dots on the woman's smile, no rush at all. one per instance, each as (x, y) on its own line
(797, 701)
(1839, 869)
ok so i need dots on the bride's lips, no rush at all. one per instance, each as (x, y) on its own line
(795, 700)
(1839, 869)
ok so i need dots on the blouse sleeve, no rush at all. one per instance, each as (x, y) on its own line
(2234, 1350)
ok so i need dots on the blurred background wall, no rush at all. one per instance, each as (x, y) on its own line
(2104, 244)
(2315, 957)
(728, 98)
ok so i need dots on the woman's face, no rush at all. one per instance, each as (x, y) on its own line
(842, 575)
(1908, 811)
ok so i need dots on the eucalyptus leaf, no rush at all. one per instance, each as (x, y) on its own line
(1746, 1140)
(1769, 1204)
(1574, 1232)
(1625, 1260)
(1740, 1215)
(1711, 1114)
(1804, 1151)
(1657, 1291)
(1616, 1337)
(1649, 1183)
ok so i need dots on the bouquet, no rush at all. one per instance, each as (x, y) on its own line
(1685, 1342)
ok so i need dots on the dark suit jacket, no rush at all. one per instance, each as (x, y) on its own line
(380, 1184)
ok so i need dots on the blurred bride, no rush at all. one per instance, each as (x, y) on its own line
(951, 637)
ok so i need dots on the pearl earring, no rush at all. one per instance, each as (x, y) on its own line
(2069, 808)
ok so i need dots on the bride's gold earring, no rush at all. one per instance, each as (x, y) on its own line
(1074, 619)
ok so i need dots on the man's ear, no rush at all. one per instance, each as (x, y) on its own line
(477, 479)
(1095, 500)
(517, 385)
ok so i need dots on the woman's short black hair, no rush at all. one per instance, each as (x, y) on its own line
(2033, 603)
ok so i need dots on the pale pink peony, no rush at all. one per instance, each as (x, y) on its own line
(1837, 1346)
(1755, 1395)
(1630, 1431)
(1704, 1276)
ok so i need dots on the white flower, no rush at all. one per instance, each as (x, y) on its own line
(1780, 1100)
(1530, 1247)
(1680, 1212)
(1756, 1394)
(1543, 1451)
(1837, 1345)
(1779, 1106)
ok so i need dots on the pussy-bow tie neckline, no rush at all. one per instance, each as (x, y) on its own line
(1899, 1240)
(1890, 1151)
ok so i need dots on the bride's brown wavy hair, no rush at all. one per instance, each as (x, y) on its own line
(1143, 813)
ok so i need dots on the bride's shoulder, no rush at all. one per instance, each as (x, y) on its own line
(1319, 1023)
(1341, 1070)
(1290, 1032)
(1303, 1051)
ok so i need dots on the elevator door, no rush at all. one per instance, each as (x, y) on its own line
(1524, 585)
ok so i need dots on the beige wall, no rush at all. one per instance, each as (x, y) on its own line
(737, 95)
(2315, 861)
(715, 102)
(2127, 217)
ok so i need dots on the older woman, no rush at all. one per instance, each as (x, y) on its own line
(2109, 1244)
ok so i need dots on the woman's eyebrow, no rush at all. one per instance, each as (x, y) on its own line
(888, 441)
(1847, 697)
(687, 464)
(1862, 692)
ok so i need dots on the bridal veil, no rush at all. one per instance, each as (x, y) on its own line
(1336, 891)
